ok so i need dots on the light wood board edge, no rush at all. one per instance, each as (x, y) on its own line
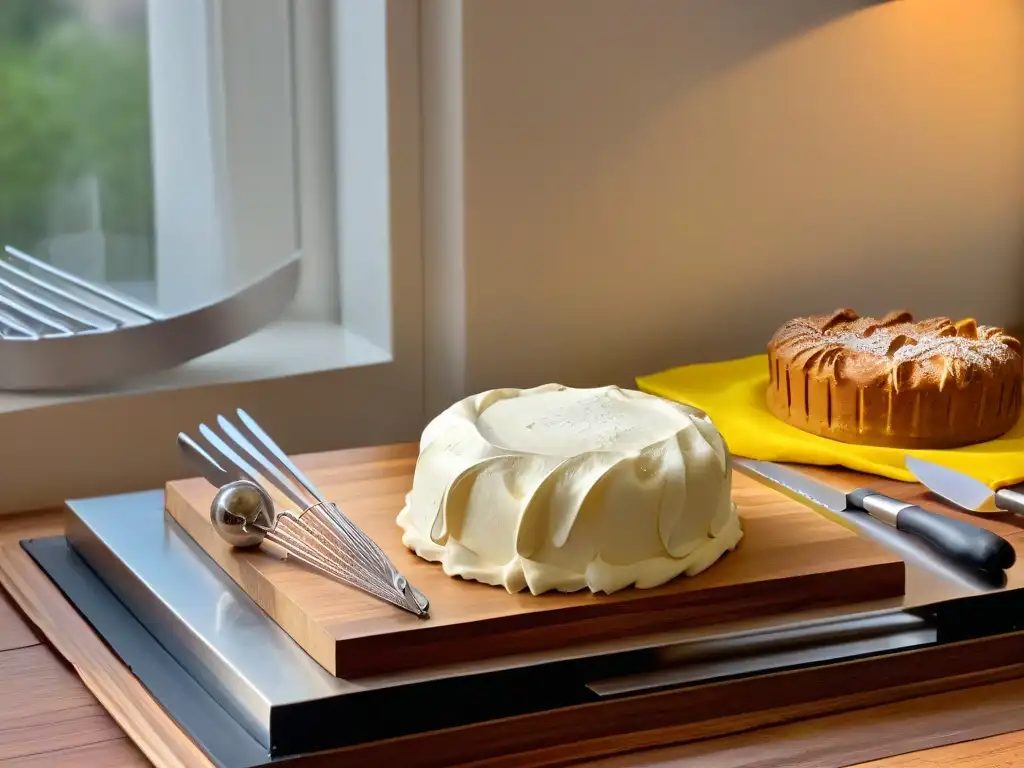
(110, 681)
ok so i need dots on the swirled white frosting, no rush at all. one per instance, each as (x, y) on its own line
(554, 488)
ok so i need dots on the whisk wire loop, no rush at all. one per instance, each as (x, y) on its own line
(319, 535)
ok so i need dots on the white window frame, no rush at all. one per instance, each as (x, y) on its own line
(57, 448)
(241, 94)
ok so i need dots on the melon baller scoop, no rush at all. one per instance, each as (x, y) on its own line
(319, 535)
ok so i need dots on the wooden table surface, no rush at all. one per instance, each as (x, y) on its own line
(49, 718)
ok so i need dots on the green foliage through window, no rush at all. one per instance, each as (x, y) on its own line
(74, 105)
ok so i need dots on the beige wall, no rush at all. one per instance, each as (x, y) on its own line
(614, 186)
(647, 183)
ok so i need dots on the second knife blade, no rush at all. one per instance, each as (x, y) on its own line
(965, 491)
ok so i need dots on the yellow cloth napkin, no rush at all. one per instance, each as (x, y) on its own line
(732, 394)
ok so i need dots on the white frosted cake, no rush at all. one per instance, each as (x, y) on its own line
(554, 488)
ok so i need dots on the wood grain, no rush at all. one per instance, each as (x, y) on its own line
(14, 633)
(1004, 751)
(113, 684)
(789, 558)
(43, 708)
(45, 522)
(61, 724)
(116, 753)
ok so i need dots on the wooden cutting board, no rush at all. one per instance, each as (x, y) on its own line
(790, 557)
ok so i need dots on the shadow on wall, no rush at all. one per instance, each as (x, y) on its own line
(664, 183)
(578, 112)
(642, 57)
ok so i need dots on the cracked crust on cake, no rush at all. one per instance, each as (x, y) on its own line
(895, 381)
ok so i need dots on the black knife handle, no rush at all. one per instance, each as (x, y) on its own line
(967, 544)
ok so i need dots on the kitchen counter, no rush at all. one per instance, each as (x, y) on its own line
(48, 717)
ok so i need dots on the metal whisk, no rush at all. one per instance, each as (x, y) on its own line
(318, 534)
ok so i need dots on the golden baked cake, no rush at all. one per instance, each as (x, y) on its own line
(893, 381)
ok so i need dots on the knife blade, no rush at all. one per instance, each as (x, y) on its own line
(960, 541)
(964, 491)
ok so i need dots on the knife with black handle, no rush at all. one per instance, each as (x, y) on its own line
(967, 545)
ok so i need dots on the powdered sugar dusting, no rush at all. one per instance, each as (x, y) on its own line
(898, 339)
(975, 352)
